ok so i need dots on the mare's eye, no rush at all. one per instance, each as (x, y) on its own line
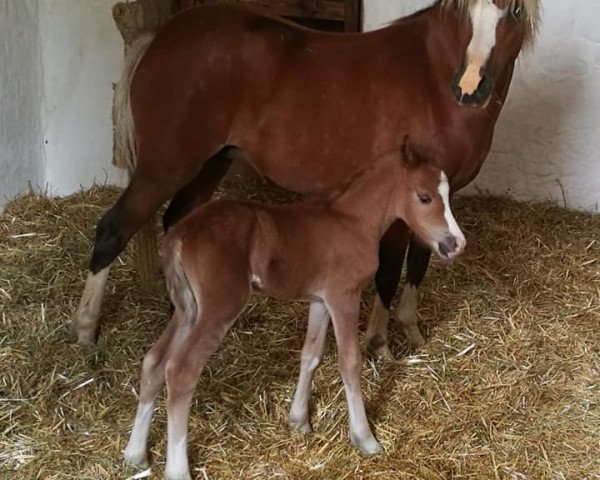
(424, 198)
(517, 11)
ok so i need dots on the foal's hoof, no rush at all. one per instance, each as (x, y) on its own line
(368, 445)
(378, 348)
(177, 475)
(136, 459)
(300, 425)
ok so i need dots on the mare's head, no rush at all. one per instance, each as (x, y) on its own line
(496, 31)
(424, 204)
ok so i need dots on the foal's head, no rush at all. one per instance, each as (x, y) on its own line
(496, 31)
(425, 207)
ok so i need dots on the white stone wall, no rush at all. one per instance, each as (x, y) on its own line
(21, 153)
(58, 59)
(547, 139)
(82, 55)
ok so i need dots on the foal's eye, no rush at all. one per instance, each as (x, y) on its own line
(424, 198)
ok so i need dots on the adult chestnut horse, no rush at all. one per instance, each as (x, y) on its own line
(308, 110)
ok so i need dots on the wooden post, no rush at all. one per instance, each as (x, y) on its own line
(353, 20)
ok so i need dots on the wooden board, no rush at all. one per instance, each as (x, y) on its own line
(346, 12)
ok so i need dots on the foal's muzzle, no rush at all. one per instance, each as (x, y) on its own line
(451, 247)
(480, 97)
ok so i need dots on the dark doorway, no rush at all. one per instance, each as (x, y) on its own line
(328, 15)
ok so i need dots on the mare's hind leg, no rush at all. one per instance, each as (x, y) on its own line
(416, 267)
(345, 312)
(183, 369)
(392, 249)
(312, 352)
(139, 201)
(151, 382)
(199, 190)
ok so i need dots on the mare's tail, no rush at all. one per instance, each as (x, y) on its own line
(125, 154)
(124, 140)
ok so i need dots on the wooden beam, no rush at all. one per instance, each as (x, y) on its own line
(353, 17)
(321, 9)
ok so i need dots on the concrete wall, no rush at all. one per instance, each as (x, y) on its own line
(82, 55)
(21, 153)
(547, 139)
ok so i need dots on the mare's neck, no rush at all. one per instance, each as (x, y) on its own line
(371, 196)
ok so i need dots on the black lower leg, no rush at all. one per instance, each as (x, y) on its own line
(417, 262)
(110, 239)
(199, 190)
(387, 277)
(392, 249)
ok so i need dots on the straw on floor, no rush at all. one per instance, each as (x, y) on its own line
(507, 386)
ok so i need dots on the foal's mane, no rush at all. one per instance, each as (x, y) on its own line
(531, 15)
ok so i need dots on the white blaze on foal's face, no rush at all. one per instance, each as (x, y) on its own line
(484, 15)
(452, 225)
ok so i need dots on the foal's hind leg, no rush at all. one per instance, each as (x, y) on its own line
(345, 311)
(312, 351)
(152, 380)
(185, 366)
(392, 249)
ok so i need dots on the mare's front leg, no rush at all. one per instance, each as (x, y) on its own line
(151, 382)
(345, 311)
(312, 352)
(392, 249)
(406, 313)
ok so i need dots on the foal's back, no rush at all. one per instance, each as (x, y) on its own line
(291, 252)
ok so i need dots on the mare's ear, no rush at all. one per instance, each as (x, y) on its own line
(409, 156)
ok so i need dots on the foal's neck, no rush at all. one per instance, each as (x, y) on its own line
(370, 197)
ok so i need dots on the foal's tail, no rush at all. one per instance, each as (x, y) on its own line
(124, 143)
(178, 284)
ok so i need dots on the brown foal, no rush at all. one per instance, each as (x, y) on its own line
(323, 253)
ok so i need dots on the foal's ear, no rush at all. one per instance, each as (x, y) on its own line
(409, 156)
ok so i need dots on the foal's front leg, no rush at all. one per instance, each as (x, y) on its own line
(345, 312)
(312, 352)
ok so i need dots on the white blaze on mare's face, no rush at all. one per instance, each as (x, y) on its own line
(485, 16)
(444, 191)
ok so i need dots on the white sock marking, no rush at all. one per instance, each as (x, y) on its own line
(137, 445)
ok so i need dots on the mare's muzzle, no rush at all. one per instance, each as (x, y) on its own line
(480, 96)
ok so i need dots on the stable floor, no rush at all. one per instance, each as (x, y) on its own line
(507, 385)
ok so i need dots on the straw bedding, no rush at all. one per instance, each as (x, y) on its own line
(506, 387)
